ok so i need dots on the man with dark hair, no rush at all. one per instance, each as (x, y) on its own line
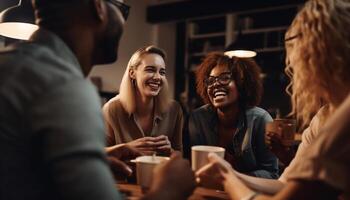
(51, 128)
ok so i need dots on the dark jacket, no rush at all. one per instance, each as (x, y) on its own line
(252, 157)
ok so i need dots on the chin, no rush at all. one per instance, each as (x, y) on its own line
(220, 104)
(108, 52)
(152, 93)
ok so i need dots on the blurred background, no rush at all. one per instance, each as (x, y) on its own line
(188, 29)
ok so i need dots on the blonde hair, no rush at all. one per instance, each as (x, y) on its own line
(320, 55)
(127, 93)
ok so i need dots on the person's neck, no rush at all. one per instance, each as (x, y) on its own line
(228, 116)
(81, 43)
(144, 105)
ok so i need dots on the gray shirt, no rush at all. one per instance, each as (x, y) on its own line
(248, 146)
(51, 128)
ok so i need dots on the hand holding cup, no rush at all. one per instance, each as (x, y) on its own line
(146, 145)
(163, 145)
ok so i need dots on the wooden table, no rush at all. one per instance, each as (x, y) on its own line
(132, 191)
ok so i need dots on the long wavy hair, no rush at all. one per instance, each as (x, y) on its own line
(318, 48)
(246, 74)
(127, 89)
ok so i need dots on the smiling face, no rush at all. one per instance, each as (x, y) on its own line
(149, 75)
(222, 95)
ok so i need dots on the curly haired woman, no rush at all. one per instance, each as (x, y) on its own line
(232, 88)
(318, 49)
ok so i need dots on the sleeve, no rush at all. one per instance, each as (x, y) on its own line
(267, 163)
(177, 136)
(328, 158)
(186, 140)
(308, 136)
(67, 123)
(191, 135)
(110, 140)
(193, 131)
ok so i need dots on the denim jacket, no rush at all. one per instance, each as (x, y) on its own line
(252, 157)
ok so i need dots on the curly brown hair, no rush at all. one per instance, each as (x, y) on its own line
(245, 73)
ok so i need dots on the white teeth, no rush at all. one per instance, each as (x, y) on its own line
(154, 85)
(219, 93)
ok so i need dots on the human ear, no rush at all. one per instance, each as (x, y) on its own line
(100, 9)
(132, 74)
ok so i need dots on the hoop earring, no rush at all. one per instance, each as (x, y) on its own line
(133, 82)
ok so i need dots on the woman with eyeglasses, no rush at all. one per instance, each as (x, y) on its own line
(142, 115)
(318, 49)
(232, 89)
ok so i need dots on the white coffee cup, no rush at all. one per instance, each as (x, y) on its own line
(144, 169)
(199, 155)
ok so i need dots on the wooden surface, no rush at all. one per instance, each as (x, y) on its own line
(132, 191)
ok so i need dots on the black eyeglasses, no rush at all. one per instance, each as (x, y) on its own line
(224, 79)
(124, 9)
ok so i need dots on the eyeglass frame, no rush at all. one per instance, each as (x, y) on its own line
(123, 8)
(217, 79)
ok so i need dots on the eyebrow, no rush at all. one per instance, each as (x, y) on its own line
(151, 66)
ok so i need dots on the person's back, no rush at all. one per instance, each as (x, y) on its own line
(51, 131)
(51, 127)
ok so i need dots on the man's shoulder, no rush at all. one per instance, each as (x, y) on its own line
(37, 59)
(30, 71)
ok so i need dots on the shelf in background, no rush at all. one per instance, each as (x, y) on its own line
(269, 49)
(263, 30)
(208, 35)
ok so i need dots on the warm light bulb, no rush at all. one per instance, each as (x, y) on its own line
(241, 53)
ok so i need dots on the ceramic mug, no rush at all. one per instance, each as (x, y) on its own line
(199, 155)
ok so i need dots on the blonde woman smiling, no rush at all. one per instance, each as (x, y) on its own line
(143, 115)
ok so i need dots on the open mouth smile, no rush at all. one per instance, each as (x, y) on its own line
(219, 93)
(154, 85)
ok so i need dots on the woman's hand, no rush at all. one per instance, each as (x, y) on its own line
(220, 172)
(172, 180)
(163, 145)
(151, 145)
(214, 173)
(146, 145)
(274, 142)
(117, 156)
(273, 139)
